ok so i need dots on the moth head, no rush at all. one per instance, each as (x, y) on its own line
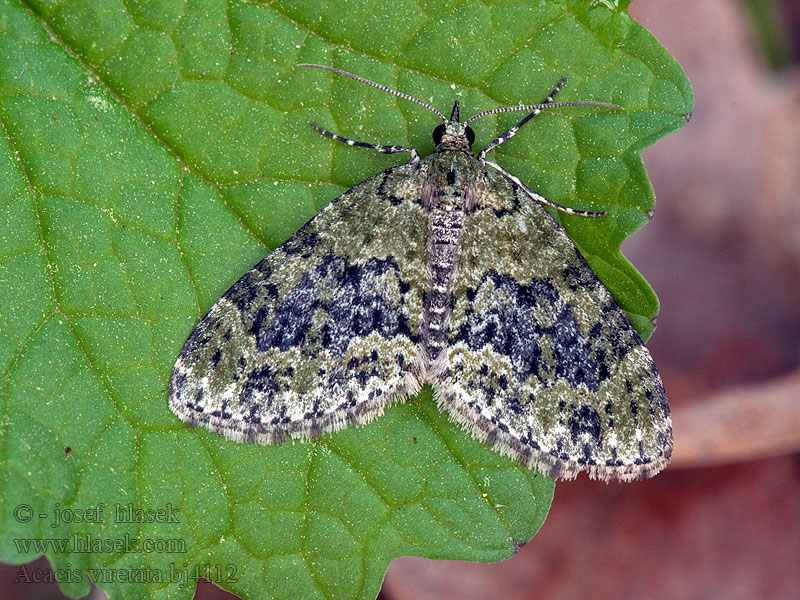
(452, 133)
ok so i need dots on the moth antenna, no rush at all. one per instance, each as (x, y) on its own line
(537, 107)
(388, 90)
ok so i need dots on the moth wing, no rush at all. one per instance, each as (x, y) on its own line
(542, 362)
(323, 331)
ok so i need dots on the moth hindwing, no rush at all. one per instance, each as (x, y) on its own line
(443, 271)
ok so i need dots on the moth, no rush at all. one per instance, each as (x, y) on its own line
(445, 271)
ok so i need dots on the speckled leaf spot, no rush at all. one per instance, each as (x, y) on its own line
(445, 272)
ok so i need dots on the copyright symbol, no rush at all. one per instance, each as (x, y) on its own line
(22, 513)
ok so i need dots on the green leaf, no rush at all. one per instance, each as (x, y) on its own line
(153, 151)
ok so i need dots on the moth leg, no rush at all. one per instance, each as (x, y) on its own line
(379, 148)
(510, 132)
(507, 135)
(534, 196)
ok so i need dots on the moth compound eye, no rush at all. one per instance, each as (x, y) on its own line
(438, 133)
(470, 135)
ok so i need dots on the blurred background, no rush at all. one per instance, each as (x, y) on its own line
(723, 254)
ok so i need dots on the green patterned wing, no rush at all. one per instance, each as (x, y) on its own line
(320, 334)
(543, 363)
